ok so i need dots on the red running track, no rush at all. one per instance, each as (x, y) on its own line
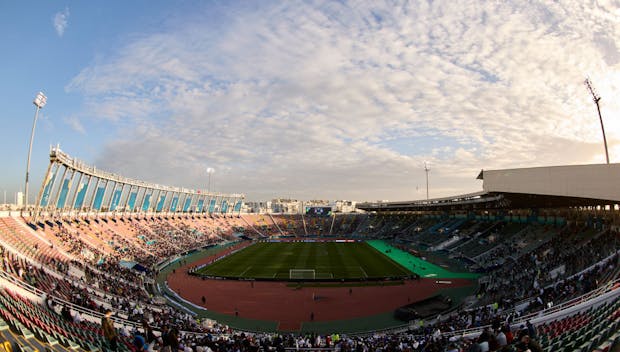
(290, 307)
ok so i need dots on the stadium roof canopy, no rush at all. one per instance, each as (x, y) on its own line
(537, 187)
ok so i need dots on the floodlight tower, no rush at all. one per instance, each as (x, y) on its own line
(39, 101)
(210, 171)
(427, 168)
(596, 99)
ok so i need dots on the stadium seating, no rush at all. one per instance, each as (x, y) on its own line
(583, 331)
(530, 265)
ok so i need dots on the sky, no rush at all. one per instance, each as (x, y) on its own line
(309, 99)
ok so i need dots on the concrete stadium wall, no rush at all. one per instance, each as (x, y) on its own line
(600, 181)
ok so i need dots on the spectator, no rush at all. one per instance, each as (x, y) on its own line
(139, 342)
(66, 313)
(483, 341)
(531, 330)
(109, 332)
(148, 333)
(77, 318)
(527, 343)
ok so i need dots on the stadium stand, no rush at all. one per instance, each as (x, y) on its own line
(550, 273)
(50, 262)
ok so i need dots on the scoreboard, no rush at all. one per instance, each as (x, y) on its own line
(318, 211)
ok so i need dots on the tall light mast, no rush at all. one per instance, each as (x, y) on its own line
(427, 168)
(39, 101)
(596, 98)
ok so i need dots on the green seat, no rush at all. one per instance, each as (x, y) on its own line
(585, 347)
(72, 345)
(580, 340)
(555, 346)
(25, 332)
(596, 340)
(38, 333)
(569, 346)
(61, 339)
(50, 339)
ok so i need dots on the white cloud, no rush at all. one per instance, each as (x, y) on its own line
(75, 124)
(321, 100)
(61, 21)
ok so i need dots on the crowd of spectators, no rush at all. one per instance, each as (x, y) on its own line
(525, 275)
(499, 337)
(543, 270)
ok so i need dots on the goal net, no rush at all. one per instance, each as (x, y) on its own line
(302, 274)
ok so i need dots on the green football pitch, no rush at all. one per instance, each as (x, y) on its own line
(306, 261)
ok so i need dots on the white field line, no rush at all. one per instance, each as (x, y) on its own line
(245, 271)
(363, 271)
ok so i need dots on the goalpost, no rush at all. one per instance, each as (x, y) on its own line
(302, 274)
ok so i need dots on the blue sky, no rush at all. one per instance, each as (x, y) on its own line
(313, 99)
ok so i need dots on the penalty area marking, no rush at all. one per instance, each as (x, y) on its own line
(245, 271)
(363, 271)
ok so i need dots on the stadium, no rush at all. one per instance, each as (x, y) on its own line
(530, 251)
(255, 176)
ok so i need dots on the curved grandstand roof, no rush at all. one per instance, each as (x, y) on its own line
(71, 185)
(536, 187)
